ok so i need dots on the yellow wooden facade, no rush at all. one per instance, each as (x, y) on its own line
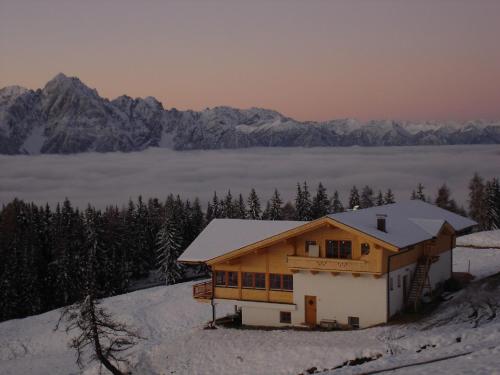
(286, 254)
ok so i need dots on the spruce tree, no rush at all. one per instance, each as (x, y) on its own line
(380, 199)
(321, 203)
(167, 251)
(366, 197)
(303, 203)
(275, 208)
(288, 211)
(241, 209)
(389, 197)
(354, 198)
(253, 203)
(420, 192)
(228, 206)
(445, 201)
(478, 202)
(493, 204)
(336, 204)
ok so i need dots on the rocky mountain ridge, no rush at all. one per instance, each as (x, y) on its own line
(67, 117)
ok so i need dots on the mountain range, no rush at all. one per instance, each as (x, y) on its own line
(67, 117)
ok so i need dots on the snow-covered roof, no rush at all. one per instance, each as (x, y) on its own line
(407, 222)
(224, 235)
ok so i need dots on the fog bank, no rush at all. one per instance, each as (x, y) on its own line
(115, 177)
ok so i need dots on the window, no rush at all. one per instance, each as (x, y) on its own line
(232, 279)
(391, 285)
(338, 249)
(332, 249)
(220, 278)
(353, 321)
(254, 280)
(345, 250)
(275, 281)
(309, 243)
(285, 317)
(365, 248)
(260, 281)
(247, 280)
(280, 282)
(287, 282)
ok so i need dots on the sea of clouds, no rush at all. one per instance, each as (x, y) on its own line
(113, 178)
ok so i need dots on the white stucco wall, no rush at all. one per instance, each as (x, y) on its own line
(441, 270)
(396, 302)
(261, 316)
(341, 296)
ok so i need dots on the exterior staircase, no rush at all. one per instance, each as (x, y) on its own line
(421, 281)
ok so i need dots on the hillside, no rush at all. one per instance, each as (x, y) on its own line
(68, 117)
(468, 322)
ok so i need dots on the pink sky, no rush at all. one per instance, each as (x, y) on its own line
(314, 60)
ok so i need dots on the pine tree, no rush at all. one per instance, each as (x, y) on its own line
(354, 198)
(336, 204)
(275, 208)
(321, 203)
(241, 209)
(266, 212)
(216, 207)
(493, 204)
(228, 206)
(380, 199)
(168, 250)
(478, 202)
(366, 197)
(445, 201)
(303, 203)
(389, 197)
(253, 203)
(420, 192)
(288, 211)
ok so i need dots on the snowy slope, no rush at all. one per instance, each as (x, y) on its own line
(177, 344)
(481, 239)
(74, 118)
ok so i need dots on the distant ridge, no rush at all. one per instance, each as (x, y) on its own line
(67, 117)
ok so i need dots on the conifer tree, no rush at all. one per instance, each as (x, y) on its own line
(493, 204)
(380, 199)
(366, 197)
(389, 197)
(420, 192)
(241, 209)
(303, 203)
(275, 207)
(288, 211)
(445, 201)
(354, 200)
(336, 204)
(321, 203)
(478, 202)
(228, 206)
(253, 203)
(168, 250)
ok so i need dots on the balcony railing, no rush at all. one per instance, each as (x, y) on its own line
(203, 290)
(298, 263)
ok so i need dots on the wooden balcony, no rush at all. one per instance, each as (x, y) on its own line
(333, 265)
(203, 291)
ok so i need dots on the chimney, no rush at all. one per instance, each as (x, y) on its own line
(381, 222)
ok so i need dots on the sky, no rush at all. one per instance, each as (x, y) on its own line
(311, 60)
(93, 178)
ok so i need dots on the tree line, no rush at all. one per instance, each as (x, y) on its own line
(45, 251)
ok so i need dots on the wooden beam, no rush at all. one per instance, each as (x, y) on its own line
(313, 272)
(295, 271)
(335, 273)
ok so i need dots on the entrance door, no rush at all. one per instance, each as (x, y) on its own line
(310, 308)
(405, 288)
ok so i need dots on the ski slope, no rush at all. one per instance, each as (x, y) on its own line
(177, 343)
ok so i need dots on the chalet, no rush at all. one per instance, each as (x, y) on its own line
(356, 268)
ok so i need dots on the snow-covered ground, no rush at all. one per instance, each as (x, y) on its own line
(177, 343)
(481, 239)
